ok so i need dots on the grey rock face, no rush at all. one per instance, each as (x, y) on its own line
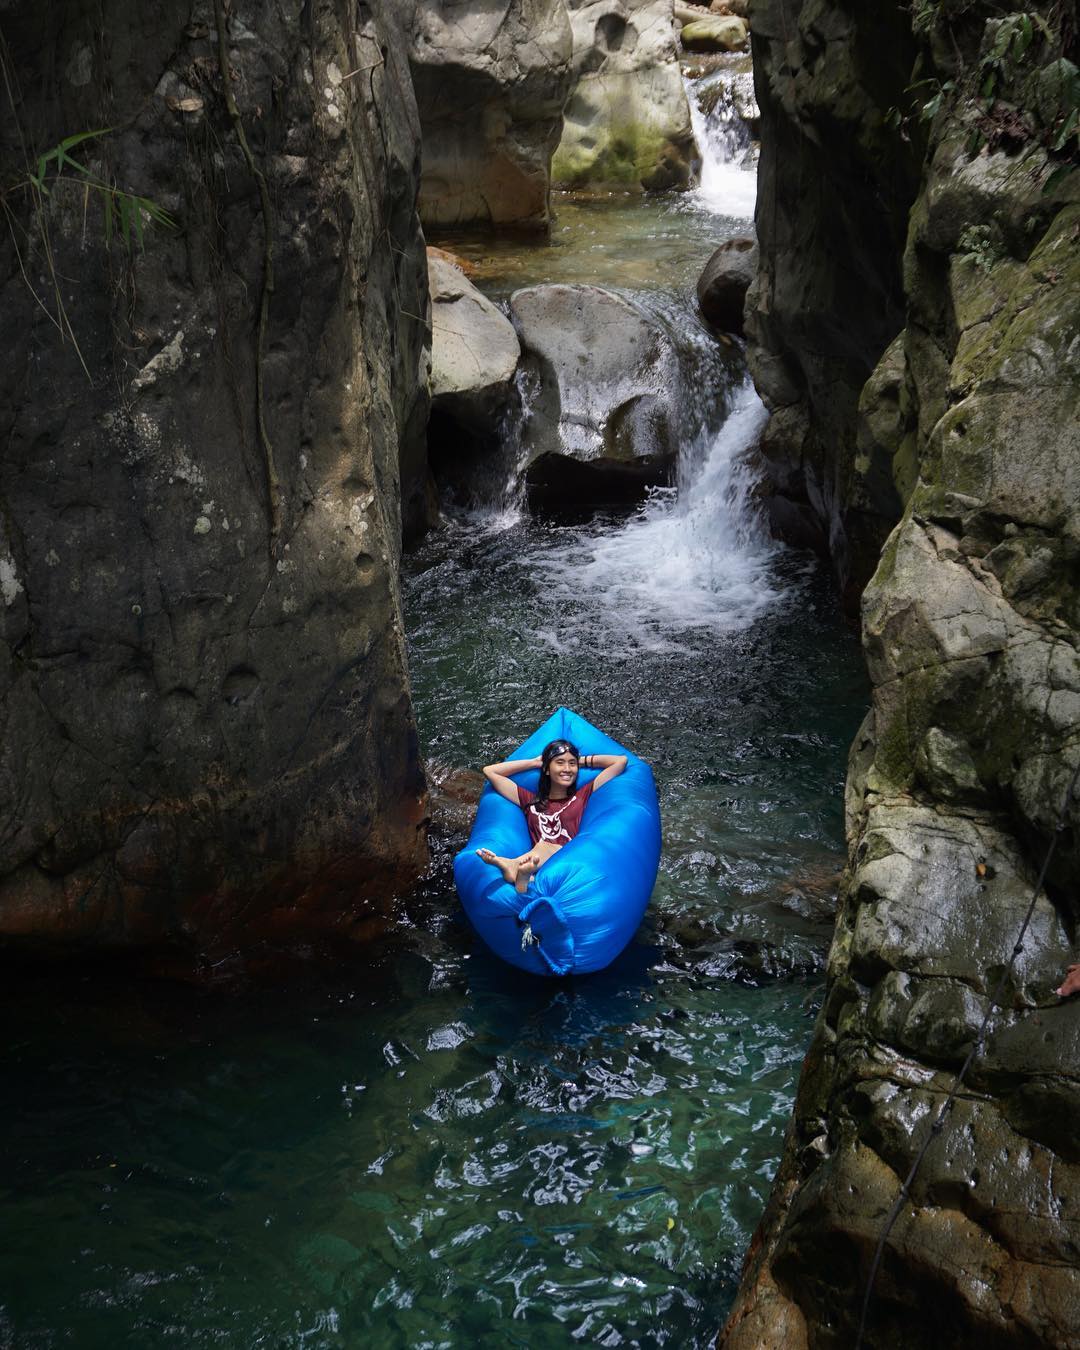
(627, 122)
(724, 282)
(956, 785)
(205, 726)
(604, 423)
(834, 188)
(491, 81)
(474, 359)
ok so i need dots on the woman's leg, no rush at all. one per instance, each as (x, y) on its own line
(507, 866)
(530, 863)
(520, 871)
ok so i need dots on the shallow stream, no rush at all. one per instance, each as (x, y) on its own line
(432, 1149)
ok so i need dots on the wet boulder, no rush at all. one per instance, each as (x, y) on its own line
(474, 359)
(716, 33)
(722, 286)
(603, 424)
(474, 348)
(490, 83)
(627, 121)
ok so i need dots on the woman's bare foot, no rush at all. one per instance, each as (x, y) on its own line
(507, 866)
(1071, 983)
(527, 867)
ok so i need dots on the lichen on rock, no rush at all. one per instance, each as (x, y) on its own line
(626, 121)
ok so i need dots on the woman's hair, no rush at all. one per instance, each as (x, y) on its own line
(551, 751)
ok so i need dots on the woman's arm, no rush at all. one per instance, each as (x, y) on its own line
(612, 766)
(498, 776)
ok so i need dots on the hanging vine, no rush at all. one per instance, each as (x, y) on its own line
(273, 483)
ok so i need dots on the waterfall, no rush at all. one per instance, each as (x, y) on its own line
(694, 561)
(722, 113)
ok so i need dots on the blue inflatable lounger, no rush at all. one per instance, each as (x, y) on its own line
(585, 904)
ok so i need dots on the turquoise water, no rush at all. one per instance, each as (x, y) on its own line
(427, 1148)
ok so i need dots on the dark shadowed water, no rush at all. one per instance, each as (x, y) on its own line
(431, 1149)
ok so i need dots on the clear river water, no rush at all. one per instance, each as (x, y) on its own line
(427, 1148)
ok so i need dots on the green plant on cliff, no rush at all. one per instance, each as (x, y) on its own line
(125, 216)
(1009, 44)
(124, 212)
(980, 246)
(1013, 68)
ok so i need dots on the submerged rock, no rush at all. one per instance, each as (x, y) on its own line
(604, 423)
(627, 122)
(722, 286)
(491, 81)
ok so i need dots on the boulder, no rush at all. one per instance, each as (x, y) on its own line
(206, 736)
(627, 121)
(722, 286)
(604, 423)
(491, 81)
(716, 33)
(474, 348)
(474, 358)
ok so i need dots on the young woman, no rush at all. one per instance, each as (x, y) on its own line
(553, 813)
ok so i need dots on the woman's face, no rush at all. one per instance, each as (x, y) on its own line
(563, 770)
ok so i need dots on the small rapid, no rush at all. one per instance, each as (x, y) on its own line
(696, 558)
(721, 106)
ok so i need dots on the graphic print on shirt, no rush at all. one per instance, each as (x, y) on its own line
(552, 830)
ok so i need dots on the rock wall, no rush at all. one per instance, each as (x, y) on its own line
(208, 447)
(491, 80)
(627, 121)
(835, 184)
(957, 778)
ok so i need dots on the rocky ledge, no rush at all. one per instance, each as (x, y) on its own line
(957, 781)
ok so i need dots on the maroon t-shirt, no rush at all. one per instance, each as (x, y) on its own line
(559, 821)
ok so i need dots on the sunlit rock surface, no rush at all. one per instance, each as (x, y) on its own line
(474, 359)
(205, 724)
(627, 122)
(491, 81)
(970, 426)
(604, 418)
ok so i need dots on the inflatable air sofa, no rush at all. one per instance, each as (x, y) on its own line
(584, 904)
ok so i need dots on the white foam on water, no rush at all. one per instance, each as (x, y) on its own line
(698, 563)
(727, 186)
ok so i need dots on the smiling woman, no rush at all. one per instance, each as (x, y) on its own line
(553, 813)
(572, 901)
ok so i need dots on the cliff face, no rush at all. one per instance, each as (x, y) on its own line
(959, 773)
(205, 724)
(834, 188)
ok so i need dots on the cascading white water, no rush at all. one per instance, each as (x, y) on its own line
(696, 560)
(692, 562)
(719, 105)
